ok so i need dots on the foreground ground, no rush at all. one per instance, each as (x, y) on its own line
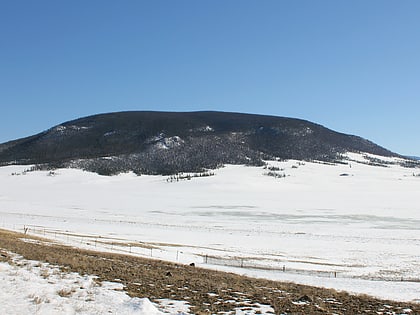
(206, 291)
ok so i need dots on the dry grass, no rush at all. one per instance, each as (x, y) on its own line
(65, 292)
(208, 292)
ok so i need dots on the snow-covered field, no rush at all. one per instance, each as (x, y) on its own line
(352, 227)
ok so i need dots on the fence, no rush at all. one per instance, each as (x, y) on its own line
(185, 255)
(276, 266)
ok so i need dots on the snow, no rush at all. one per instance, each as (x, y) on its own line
(207, 129)
(358, 233)
(162, 142)
(364, 158)
(62, 129)
(30, 287)
(168, 143)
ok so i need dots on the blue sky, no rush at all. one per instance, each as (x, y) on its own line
(352, 66)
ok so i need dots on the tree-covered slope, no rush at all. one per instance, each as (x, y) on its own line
(170, 142)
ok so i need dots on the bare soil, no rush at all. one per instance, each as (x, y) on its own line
(207, 291)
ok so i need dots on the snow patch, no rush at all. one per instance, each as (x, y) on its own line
(30, 287)
(62, 129)
(170, 142)
(109, 133)
(206, 129)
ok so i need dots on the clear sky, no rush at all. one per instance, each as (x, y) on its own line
(352, 66)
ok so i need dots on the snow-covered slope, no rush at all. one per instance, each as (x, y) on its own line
(348, 226)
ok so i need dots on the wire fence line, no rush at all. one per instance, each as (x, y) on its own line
(249, 263)
(106, 243)
(144, 249)
(282, 266)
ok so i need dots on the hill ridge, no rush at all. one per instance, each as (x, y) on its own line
(151, 142)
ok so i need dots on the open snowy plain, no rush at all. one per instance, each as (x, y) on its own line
(352, 227)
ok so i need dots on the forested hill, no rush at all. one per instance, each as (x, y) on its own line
(170, 142)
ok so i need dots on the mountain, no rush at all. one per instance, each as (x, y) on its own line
(169, 142)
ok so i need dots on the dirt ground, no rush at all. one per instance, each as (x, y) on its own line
(207, 291)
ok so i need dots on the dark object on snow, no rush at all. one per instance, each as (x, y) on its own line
(344, 174)
(192, 264)
(4, 256)
(305, 298)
